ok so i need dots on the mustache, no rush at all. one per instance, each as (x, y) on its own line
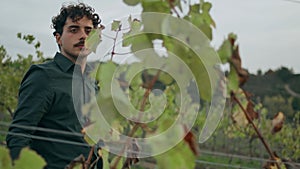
(81, 43)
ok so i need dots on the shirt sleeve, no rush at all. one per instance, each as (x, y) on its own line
(35, 98)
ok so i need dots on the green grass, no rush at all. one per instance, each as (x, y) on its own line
(225, 162)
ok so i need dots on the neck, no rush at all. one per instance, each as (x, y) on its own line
(79, 60)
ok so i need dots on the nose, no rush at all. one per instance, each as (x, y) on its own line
(83, 35)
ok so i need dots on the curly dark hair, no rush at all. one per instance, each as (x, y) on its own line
(75, 12)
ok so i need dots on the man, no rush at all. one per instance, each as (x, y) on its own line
(51, 93)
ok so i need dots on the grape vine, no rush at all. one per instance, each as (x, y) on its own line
(161, 86)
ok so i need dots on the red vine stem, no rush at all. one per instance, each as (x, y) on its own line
(115, 40)
(143, 104)
(88, 162)
(173, 7)
(137, 125)
(256, 129)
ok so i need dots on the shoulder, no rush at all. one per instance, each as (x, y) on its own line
(50, 64)
(39, 73)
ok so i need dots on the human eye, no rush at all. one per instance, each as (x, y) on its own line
(73, 30)
(88, 30)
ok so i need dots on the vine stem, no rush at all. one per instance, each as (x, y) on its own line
(114, 45)
(256, 129)
(137, 124)
(172, 7)
(8, 109)
(88, 162)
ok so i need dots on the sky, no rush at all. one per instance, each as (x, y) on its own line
(268, 31)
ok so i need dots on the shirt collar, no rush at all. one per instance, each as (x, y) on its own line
(64, 63)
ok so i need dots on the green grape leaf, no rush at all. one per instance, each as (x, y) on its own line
(135, 25)
(19, 35)
(236, 61)
(156, 6)
(89, 140)
(5, 160)
(232, 36)
(207, 17)
(104, 76)
(233, 80)
(163, 77)
(225, 51)
(120, 163)
(194, 8)
(29, 159)
(115, 26)
(140, 42)
(77, 166)
(131, 2)
(195, 18)
(194, 63)
(206, 6)
(135, 28)
(180, 156)
(93, 40)
(127, 40)
(206, 29)
(201, 18)
(104, 154)
(202, 78)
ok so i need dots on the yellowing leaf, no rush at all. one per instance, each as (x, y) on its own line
(273, 165)
(238, 116)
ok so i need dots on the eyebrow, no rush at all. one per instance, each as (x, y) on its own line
(76, 26)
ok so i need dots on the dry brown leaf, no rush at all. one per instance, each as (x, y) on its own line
(191, 140)
(237, 63)
(277, 122)
(251, 112)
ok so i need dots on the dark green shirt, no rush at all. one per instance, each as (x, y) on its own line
(49, 97)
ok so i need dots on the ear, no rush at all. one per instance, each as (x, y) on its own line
(58, 38)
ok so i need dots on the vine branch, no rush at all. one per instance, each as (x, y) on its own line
(8, 109)
(173, 8)
(115, 41)
(270, 152)
(137, 124)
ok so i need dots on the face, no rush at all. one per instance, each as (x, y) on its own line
(72, 39)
